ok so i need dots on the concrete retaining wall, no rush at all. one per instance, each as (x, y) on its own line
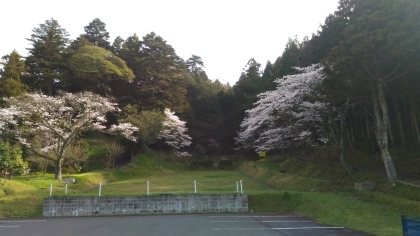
(138, 205)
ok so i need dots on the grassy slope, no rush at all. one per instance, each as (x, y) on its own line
(313, 190)
(23, 196)
(327, 194)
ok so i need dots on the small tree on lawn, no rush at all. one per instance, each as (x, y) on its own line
(174, 133)
(113, 150)
(11, 159)
(61, 118)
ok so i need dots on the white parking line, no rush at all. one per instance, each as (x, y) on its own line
(248, 229)
(264, 221)
(316, 227)
(21, 221)
(253, 216)
(295, 228)
(9, 226)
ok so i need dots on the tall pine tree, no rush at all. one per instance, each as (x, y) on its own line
(46, 57)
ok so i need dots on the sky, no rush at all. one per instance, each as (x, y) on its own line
(224, 33)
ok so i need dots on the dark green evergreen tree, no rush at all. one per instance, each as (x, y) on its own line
(381, 44)
(194, 63)
(117, 45)
(289, 58)
(160, 75)
(46, 57)
(95, 32)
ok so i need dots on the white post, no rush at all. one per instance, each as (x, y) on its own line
(100, 188)
(195, 186)
(148, 188)
(65, 190)
(242, 192)
(237, 186)
(50, 189)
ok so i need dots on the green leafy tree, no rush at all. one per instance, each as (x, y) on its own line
(46, 57)
(11, 158)
(149, 124)
(94, 69)
(13, 66)
(10, 76)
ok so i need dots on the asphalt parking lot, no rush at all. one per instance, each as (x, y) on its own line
(158, 225)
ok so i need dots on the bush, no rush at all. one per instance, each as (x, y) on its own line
(225, 165)
(197, 164)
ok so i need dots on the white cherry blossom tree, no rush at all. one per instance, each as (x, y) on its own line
(174, 133)
(286, 117)
(50, 124)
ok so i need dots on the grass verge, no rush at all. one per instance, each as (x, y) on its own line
(327, 194)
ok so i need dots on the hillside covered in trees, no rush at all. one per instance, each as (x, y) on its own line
(354, 85)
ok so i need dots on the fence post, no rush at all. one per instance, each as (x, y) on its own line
(237, 186)
(195, 186)
(242, 192)
(50, 189)
(65, 190)
(100, 188)
(148, 188)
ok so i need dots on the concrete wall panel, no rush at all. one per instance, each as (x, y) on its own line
(137, 205)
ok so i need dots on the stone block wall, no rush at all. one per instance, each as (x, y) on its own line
(138, 205)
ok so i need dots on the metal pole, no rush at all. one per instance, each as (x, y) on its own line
(237, 186)
(100, 188)
(242, 192)
(148, 188)
(195, 186)
(65, 190)
(50, 189)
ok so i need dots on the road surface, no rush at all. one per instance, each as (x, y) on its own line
(159, 225)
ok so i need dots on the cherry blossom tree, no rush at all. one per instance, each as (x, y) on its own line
(174, 133)
(286, 117)
(49, 125)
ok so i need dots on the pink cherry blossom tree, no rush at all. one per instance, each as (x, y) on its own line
(174, 133)
(49, 125)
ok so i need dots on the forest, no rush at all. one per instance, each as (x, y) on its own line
(353, 85)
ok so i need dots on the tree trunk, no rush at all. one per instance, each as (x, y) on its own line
(410, 114)
(57, 169)
(313, 154)
(44, 167)
(399, 121)
(367, 122)
(350, 139)
(416, 128)
(391, 134)
(400, 126)
(362, 129)
(343, 158)
(312, 148)
(328, 158)
(132, 154)
(379, 105)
